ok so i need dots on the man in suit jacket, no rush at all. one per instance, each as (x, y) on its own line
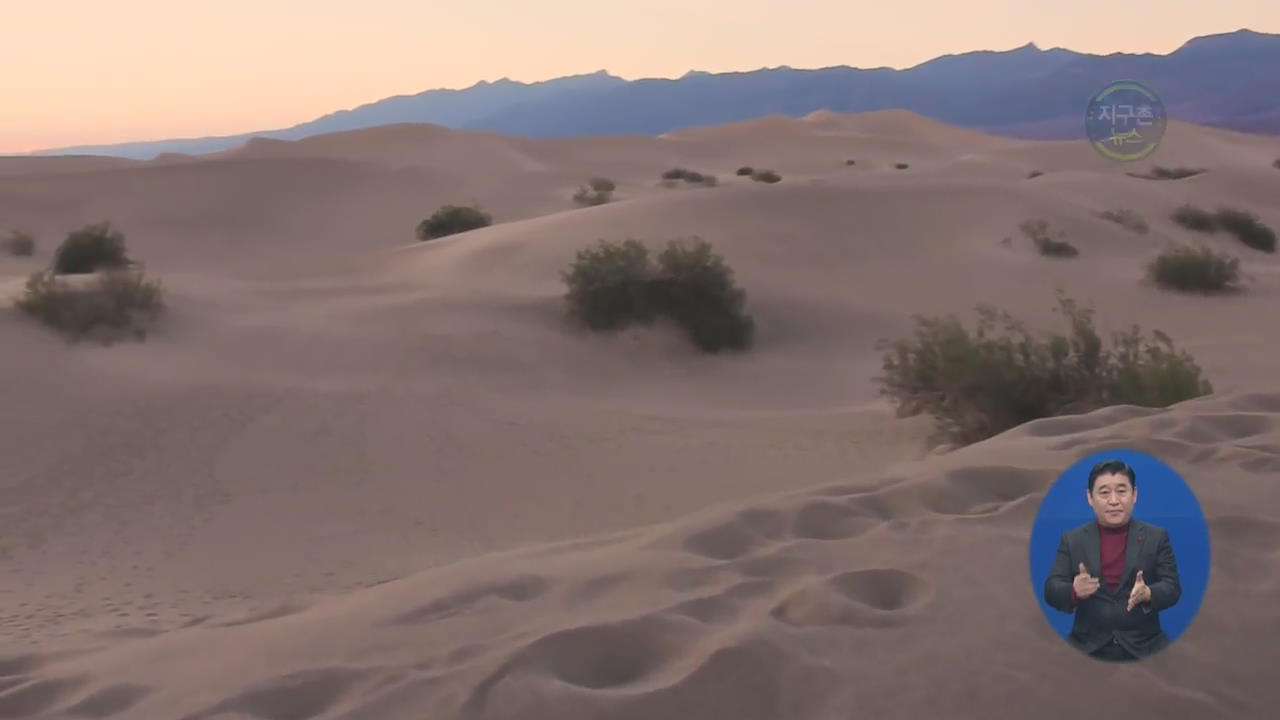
(1115, 573)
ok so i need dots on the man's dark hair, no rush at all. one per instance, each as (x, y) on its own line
(1112, 467)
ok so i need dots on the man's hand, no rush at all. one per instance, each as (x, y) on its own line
(1141, 593)
(1086, 584)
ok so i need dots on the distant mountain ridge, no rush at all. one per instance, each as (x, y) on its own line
(1226, 80)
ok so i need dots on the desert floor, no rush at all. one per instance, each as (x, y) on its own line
(353, 475)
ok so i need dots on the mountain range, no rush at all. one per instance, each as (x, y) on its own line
(1225, 80)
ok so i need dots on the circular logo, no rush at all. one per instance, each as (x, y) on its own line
(1125, 121)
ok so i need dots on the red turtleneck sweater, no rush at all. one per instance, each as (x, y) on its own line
(1112, 542)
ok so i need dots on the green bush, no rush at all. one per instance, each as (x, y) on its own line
(19, 244)
(1034, 174)
(695, 288)
(614, 285)
(1160, 172)
(748, 170)
(979, 384)
(588, 195)
(1038, 231)
(91, 248)
(692, 177)
(117, 302)
(901, 166)
(1195, 269)
(1194, 218)
(608, 285)
(1126, 218)
(451, 220)
(1247, 228)
(766, 176)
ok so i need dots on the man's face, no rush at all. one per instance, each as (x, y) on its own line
(1112, 500)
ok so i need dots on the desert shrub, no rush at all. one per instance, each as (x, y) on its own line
(1195, 269)
(451, 220)
(1034, 174)
(901, 166)
(608, 285)
(850, 162)
(18, 243)
(116, 302)
(1194, 218)
(588, 195)
(695, 288)
(1247, 228)
(766, 176)
(602, 184)
(1038, 231)
(979, 384)
(1276, 164)
(1126, 218)
(692, 177)
(746, 170)
(1159, 172)
(614, 285)
(91, 248)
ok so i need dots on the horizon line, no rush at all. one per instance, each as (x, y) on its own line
(605, 72)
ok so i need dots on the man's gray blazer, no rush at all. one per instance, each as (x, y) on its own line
(1103, 616)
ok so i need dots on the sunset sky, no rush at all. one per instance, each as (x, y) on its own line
(101, 71)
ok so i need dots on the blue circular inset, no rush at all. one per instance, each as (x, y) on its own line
(1125, 121)
(1163, 502)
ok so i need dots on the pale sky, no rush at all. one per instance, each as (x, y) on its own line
(102, 71)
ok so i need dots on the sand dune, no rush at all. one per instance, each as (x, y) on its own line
(899, 593)
(352, 475)
(25, 166)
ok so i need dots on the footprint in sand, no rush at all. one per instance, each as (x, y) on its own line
(519, 589)
(725, 606)
(1212, 429)
(609, 655)
(777, 565)
(767, 523)
(1266, 463)
(747, 530)
(726, 541)
(751, 530)
(1256, 402)
(984, 489)
(590, 590)
(826, 520)
(877, 597)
